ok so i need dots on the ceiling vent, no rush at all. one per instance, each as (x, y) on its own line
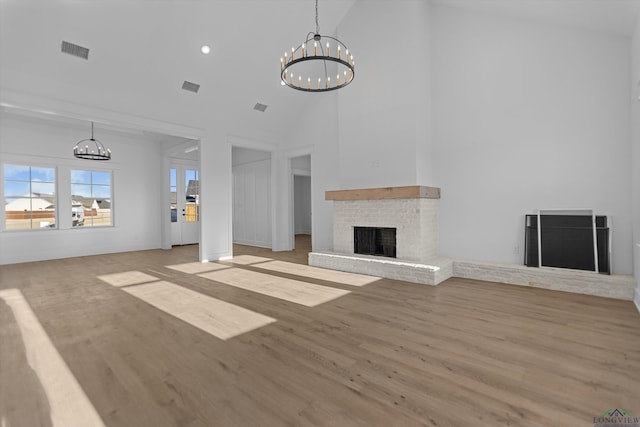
(260, 107)
(191, 87)
(75, 50)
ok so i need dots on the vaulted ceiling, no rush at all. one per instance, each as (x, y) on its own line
(141, 51)
(610, 16)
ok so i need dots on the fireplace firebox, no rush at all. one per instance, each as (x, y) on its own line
(374, 241)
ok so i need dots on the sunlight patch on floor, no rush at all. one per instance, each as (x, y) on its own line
(218, 318)
(295, 291)
(127, 278)
(197, 267)
(68, 403)
(247, 259)
(341, 277)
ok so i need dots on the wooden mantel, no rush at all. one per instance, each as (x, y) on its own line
(408, 192)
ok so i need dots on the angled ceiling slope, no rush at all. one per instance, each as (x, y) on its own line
(140, 56)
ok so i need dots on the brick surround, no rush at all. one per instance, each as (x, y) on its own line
(412, 211)
(415, 221)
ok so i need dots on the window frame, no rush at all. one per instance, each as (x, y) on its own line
(73, 169)
(56, 196)
(62, 187)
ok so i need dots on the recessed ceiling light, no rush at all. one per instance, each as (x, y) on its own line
(205, 49)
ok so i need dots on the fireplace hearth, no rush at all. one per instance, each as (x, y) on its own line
(389, 232)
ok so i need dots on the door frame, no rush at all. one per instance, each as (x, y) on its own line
(251, 144)
(170, 155)
(181, 166)
(290, 171)
(300, 173)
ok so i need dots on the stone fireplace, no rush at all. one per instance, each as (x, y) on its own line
(412, 212)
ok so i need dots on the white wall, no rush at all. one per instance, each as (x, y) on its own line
(301, 165)
(635, 158)
(359, 143)
(241, 156)
(522, 115)
(215, 196)
(136, 166)
(317, 134)
(384, 114)
(527, 115)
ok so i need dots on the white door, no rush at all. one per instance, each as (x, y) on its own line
(184, 187)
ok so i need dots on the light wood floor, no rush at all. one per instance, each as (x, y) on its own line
(388, 353)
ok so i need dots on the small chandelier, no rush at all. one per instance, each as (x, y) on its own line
(92, 150)
(311, 67)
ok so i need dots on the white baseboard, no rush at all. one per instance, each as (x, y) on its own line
(257, 243)
(636, 298)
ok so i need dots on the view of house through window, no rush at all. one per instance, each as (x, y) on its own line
(91, 198)
(173, 195)
(192, 195)
(29, 197)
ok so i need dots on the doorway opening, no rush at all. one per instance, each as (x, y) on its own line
(302, 220)
(182, 183)
(251, 171)
(184, 201)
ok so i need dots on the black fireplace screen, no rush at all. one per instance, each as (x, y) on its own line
(374, 241)
(567, 242)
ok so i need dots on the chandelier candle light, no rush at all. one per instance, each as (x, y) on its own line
(92, 150)
(313, 60)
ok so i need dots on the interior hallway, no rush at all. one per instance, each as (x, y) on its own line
(376, 353)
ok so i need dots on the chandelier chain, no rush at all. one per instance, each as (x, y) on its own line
(317, 24)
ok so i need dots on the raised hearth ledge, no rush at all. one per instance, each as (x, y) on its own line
(408, 192)
(440, 269)
(616, 286)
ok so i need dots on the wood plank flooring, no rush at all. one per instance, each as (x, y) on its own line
(296, 291)
(388, 353)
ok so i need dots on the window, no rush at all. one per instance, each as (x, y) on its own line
(29, 197)
(173, 195)
(192, 195)
(91, 198)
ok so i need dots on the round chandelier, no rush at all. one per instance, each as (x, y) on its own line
(93, 149)
(319, 64)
